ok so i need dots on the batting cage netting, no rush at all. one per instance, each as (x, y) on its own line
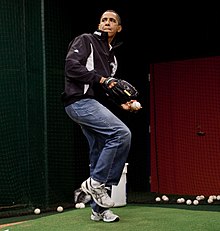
(44, 155)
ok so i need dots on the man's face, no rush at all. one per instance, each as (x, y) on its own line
(109, 23)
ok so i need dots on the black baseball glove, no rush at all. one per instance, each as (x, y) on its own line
(121, 92)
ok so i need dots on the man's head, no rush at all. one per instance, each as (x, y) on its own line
(110, 22)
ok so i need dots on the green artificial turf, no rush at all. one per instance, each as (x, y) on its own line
(146, 217)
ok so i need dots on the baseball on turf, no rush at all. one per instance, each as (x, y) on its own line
(165, 198)
(80, 205)
(135, 105)
(188, 202)
(195, 202)
(37, 211)
(77, 205)
(59, 209)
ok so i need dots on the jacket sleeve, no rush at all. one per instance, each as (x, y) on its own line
(77, 59)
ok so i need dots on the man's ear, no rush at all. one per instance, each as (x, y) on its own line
(99, 26)
(119, 28)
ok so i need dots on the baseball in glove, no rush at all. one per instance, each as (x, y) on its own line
(121, 91)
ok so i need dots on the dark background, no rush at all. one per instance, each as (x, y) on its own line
(155, 31)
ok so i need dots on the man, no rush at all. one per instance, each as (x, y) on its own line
(90, 61)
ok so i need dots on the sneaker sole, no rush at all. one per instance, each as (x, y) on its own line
(84, 188)
(94, 218)
(113, 220)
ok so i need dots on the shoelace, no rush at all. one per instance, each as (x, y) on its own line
(102, 191)
(107, 213)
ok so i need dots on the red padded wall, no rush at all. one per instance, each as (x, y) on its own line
(185, 126)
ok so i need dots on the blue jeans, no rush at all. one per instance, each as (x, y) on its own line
(108, 137)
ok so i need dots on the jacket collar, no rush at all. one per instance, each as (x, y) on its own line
(101, 35)
(104, 37)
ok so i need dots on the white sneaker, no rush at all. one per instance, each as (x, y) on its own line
(106, 216)
(99, 194)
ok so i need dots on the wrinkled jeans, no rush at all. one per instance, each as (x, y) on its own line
(108, 137)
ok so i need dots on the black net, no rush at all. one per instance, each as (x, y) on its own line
(44, 155)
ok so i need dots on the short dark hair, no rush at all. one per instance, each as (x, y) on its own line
(117, 15)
